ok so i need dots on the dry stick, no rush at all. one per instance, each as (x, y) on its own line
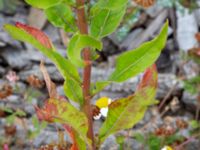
(167, 96)
(197, 112)
(198, 107)
(190, 139)
(83, 27)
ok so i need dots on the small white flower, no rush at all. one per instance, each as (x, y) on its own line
(102, 103)
(104, 111)
(166, 148)
(97, 117)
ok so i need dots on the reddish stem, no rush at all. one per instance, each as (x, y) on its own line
(83, 27)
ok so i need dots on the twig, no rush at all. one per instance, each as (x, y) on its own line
(197, 112)
(179, 147)
(167, 96)
(198, 108)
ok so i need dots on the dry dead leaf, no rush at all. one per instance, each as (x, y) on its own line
(5, 91)
(34, 81)
(50, 85)
(145, 3)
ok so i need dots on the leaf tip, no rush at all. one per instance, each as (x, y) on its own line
(5, 26)
(166, 25)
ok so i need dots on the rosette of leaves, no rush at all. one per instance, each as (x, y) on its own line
(103, 18)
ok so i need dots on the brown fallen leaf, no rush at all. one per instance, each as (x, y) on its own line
(197, 36)
(5, 91)
(194, 52)
(2, 113)
(10, 130)
(181, 124)
(34, 81)
(145, 3)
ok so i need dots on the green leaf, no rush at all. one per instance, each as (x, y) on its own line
(191, 85)
(139, 137)
(80, 143)
(68, 114)
(111, 4)
(133, 62)
(20, 113)
(35, 122)
(61, 16)
(1, 5)
(7, 109)
(10, 119)
(73, 90)
(154, 142)
(136, 61)
(70, 2)
(77, 43)
(43, 4)
(77, 142)
(99, 86)
(38, 127)
(62, 63)
(194, 124)
(104, 21)
(43, 124)
(169, 140)
(126, 112)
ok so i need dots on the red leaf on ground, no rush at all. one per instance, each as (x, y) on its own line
(37, 34)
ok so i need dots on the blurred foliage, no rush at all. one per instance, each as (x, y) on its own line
(120, 140)
(131, 17)
(32, 94)
(38, 127)
(194, 124)
(9, 6)
(192, 85)
(190, 4)
(13, 114)
(133, 13)
(154, 142)
(180, 5)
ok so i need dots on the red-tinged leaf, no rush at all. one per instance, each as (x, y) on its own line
(150, 78)
(50, 85)
(37, 34)
(72, 136)
(61, 62)
(61, 111)
(47, 113)
(124, 113)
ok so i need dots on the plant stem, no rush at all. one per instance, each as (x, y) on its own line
(83, 27)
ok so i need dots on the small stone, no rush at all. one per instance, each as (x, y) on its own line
(15, 58)
(190, 101)
(110, 144)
